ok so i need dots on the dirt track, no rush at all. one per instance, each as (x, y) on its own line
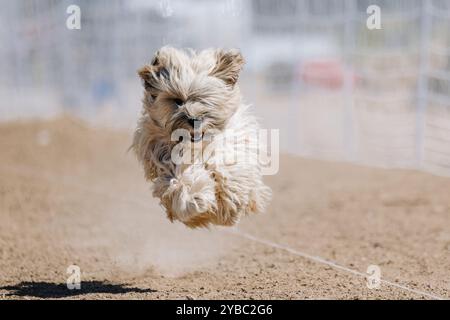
(72, 195)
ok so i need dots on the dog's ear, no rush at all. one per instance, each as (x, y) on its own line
(145, 73)
(229, 64)
(150, 73)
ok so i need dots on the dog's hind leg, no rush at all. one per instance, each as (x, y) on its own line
(238, 192)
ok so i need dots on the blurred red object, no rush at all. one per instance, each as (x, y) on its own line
(328, 74)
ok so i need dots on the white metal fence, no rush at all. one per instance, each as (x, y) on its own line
(334, 88)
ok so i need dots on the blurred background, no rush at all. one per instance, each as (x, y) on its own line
(334, 88)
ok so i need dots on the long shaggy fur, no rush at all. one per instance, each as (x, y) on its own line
(181, 86)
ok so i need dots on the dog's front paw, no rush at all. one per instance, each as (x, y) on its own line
(192, 194)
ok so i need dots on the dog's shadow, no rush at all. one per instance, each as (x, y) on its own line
(57, 290)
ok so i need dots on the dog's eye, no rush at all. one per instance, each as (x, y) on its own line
(154, 96)
(178, 102)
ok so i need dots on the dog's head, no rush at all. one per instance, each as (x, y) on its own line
(192, 91)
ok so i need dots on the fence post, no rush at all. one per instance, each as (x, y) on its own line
(349, 108)
(422, 83)
(294, 130)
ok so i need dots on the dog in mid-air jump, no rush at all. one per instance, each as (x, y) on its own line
(196, 139)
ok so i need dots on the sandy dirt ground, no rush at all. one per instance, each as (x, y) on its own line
(71, 194)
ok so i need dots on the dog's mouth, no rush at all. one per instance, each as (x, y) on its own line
(196, 136)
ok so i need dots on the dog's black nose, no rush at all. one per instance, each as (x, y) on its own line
(194, 122)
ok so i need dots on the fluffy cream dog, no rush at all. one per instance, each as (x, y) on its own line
(196, 139)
